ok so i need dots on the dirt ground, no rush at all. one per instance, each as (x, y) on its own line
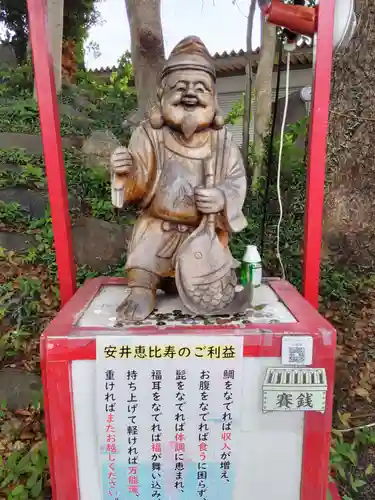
(355, 372)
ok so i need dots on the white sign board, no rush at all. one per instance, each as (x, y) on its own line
(169, 411)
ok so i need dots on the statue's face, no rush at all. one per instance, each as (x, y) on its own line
(188, 101)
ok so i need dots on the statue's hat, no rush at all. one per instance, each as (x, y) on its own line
(190, 53)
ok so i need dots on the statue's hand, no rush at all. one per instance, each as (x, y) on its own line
(121, 161)
(209, 200)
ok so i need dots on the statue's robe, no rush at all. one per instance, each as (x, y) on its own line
(164, 176)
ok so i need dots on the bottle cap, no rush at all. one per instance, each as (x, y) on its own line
(251, 254)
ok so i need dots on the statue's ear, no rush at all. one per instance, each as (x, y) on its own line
(159, 93)
(156, 117)
(218, 121)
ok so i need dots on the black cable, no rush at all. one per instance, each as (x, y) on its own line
(270, 151)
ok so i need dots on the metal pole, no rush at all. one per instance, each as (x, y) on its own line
(52, 146)
(317, 152)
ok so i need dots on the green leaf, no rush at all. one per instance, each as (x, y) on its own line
(9, 479)
(18, 490)
(34, 456)
(40, 464)
(31, 482)
(44, 449)
(12, 460)
(369, 470)
(371, 437)
(358, 483)
(37, 489)
(340, 469)
(329, 496)
(23, 464)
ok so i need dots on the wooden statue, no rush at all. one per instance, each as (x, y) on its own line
(187, 174)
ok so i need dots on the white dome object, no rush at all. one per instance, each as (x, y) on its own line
(306, 93)
(345, 23)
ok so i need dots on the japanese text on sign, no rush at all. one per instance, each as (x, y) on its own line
(132, 431)
(177, 416)
(170, 351)
(110, 433)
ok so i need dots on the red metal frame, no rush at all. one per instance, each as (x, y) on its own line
(49, 119)
(317, 152)
(52, 146)
(58, 350)
(334, 491)
(64, 342)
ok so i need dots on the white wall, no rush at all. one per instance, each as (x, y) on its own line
(298, 78)
(232, 88)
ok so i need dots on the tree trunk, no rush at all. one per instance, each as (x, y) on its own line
(69, 65)
(263, 96)
(147, 48)
(249, 86)
(55, 26)
(349, 229)
(55, 16)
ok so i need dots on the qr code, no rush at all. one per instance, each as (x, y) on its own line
(297, 354)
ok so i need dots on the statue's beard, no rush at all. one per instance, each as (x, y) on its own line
(187, 122)
(189, 125)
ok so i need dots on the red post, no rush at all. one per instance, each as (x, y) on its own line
(52, 146)
(317, 152)
(334, 491)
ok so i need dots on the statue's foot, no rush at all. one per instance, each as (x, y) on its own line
(138, 305)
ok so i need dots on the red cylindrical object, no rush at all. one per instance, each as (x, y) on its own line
(297, 18)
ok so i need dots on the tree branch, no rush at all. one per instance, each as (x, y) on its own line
(249, 85)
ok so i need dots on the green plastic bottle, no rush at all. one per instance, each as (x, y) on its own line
(251, 267)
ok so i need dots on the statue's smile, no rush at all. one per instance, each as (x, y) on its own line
(190, 103)
(190, 107)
